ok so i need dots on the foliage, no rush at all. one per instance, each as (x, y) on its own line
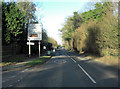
(29, 9)
(77, 20)
(67, 29)
(0, 20)
(96, 33)
(72, 23)
(38, 61)
(15, 17)
(13, 22)
(53, 42)
(44, 36)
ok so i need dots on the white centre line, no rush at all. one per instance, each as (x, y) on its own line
(18, 80)
(87, 74)
(10, 85)
(25, 70)
(73, 60)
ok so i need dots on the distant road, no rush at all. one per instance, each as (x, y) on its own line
(64, 70)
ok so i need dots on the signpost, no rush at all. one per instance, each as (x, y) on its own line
(34, 34)
(31, 43)
(39, 48)
(29, 49)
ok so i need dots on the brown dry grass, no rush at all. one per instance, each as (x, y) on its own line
(108, 60)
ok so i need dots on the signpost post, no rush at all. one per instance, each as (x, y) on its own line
(34, 34)
(29, 49)
(39, 48)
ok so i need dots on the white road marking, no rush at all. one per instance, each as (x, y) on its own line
(8, 79)
(87, 74)
(12, 76)
(18, 80)
(10, 85)
(24, 70)
(73, 60)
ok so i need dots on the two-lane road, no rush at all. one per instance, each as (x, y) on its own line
(63, 70)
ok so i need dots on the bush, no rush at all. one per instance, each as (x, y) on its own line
(98, 37)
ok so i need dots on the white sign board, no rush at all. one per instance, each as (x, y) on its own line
(35, 32)
(31, 43)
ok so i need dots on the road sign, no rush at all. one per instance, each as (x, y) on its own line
(35, 32)
(31, 43)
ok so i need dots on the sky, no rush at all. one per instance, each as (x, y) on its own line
(53, 13)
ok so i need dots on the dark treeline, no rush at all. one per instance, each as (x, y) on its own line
(94, 31)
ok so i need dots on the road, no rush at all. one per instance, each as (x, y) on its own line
(63, 70)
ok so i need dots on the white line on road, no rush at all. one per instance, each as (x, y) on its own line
(25, 70)
(12, 76)
(8, 79)
(10, 85)
(73, 60)
(87, 74)
(18, 80)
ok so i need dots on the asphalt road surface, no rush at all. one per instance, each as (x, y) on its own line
(63, 70)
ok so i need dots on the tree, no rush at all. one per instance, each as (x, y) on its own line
(77, 20)
(95, 32)
(13, 20)
(44, 36)
(29, 9)
(67, 29)
(53, 42)
(16, 17)
(0, 22)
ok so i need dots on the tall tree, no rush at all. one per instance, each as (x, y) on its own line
(13, 20)
(77, 20)
(29, 9)
(53, 42)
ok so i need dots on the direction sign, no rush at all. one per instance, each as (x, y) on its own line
(35, 32)
(31, 43)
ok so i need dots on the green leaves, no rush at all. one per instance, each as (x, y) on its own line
(13, 20)
(93, 31)
(15, 16)
(72, 23)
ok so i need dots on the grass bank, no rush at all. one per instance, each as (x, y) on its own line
(38, 61)
(14, 59)
(108, 60)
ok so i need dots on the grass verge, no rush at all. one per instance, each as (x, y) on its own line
(108, 60)
(40, 60)
(14, 59)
